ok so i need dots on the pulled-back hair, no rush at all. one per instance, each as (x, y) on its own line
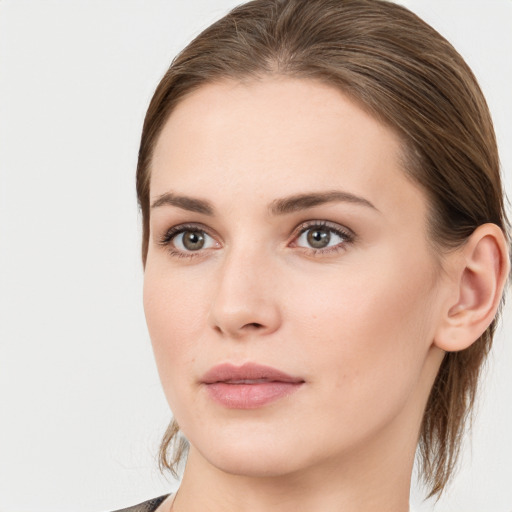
(406, 75)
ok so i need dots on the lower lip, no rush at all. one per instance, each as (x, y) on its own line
(250, 396)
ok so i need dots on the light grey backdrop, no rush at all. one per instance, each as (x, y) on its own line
(81, 410)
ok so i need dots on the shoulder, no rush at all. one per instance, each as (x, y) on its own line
(147, 506)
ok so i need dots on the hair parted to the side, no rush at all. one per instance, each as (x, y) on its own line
(407, 75)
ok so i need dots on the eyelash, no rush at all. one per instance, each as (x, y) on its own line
(348, 236)
(345, 234)
(170, 234)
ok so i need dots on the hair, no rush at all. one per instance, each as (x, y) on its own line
(406, 75)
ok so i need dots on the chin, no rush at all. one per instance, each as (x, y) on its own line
(266, 463)
(251, 454)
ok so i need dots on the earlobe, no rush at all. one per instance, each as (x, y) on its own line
(478, 277)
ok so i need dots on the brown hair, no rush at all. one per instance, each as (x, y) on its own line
(405, 74)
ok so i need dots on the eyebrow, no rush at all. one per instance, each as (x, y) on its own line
(277, 207)
(184, 202)
(305, 201)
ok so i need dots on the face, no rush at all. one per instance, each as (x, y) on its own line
(290, 290)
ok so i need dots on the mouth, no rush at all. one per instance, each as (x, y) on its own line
(249, 386)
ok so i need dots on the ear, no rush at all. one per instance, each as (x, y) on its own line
(478, 272)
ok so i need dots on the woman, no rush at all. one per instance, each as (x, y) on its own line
(325, 249)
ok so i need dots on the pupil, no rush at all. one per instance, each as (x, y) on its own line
(193, 240)
(319, 238)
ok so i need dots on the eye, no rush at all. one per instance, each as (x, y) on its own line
(187, 239)
(192, 240)
(323, 236)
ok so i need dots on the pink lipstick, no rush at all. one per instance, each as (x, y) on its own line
(248, 386)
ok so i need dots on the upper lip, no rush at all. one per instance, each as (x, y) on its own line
(247, 372)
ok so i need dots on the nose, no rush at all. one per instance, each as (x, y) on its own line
(246, 299)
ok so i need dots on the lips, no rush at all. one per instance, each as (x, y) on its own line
(248, 386)
(247, 372)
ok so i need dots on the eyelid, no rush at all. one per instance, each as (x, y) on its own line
(334, 226)
(167, 237)
(186, 226)
(346, 233)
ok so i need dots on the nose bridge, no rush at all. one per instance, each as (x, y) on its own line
(245, 300)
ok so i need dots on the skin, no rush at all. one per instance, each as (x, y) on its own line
(356, 320)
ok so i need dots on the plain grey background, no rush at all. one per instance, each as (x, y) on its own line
(81, 410)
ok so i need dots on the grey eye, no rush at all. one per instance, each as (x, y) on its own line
(192, 240)
(318, 238)
(321, 237)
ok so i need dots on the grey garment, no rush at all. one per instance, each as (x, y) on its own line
(147, 506)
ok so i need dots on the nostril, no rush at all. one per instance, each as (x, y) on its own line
(253, 325)
(248, 327)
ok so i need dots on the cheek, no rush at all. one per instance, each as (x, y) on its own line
(176, 308)
(366, 333)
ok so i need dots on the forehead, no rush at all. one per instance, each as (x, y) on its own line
(277, 133)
